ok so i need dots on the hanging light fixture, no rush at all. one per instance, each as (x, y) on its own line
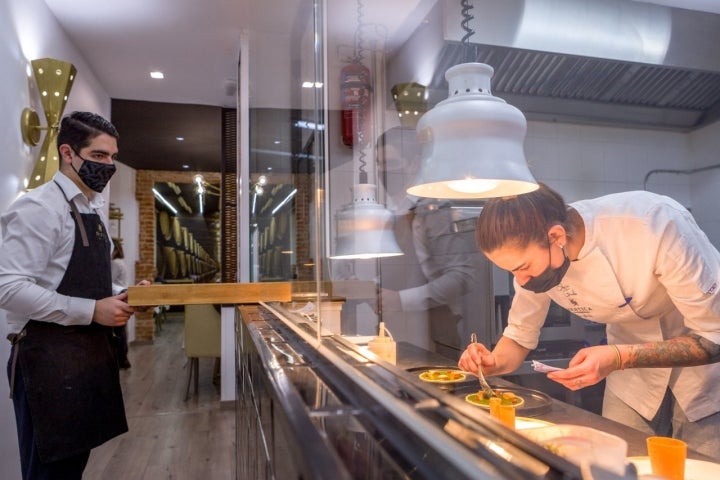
(364, 227)
(472, 142)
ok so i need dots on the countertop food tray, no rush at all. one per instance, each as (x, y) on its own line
(536, 402)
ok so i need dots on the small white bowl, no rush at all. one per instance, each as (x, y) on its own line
(583, 445)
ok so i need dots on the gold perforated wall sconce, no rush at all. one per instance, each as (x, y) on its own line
(411, 101)
(54, 80)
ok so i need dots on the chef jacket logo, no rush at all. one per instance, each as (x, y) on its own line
(575, 307)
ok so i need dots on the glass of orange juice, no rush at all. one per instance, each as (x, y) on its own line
(667, 457)
(493, 406)
(506, 414)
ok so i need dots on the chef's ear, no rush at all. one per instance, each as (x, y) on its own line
(557, 234)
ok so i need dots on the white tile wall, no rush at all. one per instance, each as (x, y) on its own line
(583, 161)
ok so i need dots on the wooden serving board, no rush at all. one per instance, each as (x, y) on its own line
(209, 293)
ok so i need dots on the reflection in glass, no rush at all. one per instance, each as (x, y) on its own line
(187, 239)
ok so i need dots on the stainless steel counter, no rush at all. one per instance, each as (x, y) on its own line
(314, 406)
(411, 357)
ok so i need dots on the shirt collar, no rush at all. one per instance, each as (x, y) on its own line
(73, 191)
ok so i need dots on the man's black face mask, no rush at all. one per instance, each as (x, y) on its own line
(95, 175)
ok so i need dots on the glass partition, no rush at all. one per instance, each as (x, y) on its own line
(331, 150)
(284, 159)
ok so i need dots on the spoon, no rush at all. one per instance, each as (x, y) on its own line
(486, 388)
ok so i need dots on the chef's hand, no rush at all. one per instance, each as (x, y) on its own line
(588, 367)
(475, 355)
(112, 311)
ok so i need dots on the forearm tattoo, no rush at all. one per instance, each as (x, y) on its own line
(685, 351)
(711, 348)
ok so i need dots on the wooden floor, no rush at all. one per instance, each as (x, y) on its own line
(168, 438)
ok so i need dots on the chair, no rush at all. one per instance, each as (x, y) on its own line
(202, 338)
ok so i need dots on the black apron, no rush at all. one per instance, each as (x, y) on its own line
(70, 372)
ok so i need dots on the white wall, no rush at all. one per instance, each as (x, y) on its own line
(704, 148)
(28, 31)
(584, 162)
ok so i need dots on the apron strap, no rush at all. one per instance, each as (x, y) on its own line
(77, 216)
(14, 339)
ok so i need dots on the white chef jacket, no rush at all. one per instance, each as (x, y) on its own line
(38, 235)
(648, 272)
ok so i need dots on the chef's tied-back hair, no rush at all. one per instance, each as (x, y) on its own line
(79, 128)
(520, 220)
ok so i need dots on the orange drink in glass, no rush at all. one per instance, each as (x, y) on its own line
(494, 405)
(667, 457)
(506, 414)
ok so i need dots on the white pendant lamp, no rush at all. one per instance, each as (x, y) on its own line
(365, 227)
(472, 142)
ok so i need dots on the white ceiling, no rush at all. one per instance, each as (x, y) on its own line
(195, 43)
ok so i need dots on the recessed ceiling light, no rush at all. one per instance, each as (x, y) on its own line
(158, 75)
(276, 142)
(179, 139)
(186, 166)
(312, 84)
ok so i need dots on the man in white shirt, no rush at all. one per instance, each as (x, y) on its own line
(637, 262)
(55, 284)
(442, 278)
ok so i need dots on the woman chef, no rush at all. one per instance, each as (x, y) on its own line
(637, 262)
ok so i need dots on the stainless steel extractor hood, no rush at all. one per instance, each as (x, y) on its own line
(608, 62)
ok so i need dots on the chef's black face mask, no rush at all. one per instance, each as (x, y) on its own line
(94, 174)
(550, 277)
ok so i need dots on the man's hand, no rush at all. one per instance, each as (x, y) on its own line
(113, 311)
(142, 283)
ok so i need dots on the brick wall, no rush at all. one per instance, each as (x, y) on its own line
(304, 268)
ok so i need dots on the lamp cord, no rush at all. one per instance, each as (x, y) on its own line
(466, 6)
(359, 40)
(359, 58)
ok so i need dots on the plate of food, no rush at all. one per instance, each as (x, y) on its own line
(446, 375)
(481, 399)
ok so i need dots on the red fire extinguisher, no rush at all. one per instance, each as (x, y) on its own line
(355, 93)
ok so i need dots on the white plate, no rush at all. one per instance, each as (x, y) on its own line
(456, 375)
(694, 469)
